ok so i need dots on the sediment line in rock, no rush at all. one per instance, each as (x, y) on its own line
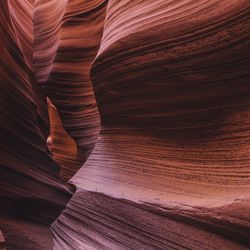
(171, 84)
(170, 167)
(31, 193)
(74, 39)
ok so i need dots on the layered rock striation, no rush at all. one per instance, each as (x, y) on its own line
(31, 193)
(170, 169)
(159, 90)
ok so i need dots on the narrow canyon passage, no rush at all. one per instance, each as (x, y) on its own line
(124, 124)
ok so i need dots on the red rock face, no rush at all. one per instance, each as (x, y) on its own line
(31, 193)
(155, 94)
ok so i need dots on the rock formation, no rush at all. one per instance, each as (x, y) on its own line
(31, 193)
(124, 124)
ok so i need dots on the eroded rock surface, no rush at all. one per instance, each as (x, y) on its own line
(31, 193)
(171, 167)
(165, 85)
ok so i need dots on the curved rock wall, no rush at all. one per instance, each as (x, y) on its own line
(170, 167)
(64, 49)
(34, 42)
(31, 194)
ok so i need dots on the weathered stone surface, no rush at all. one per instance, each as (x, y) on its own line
(170, 169)
(30, 188)
(160, 89)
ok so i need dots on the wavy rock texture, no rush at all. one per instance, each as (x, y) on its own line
(21, 13)
(170, 168)
(64, 49)
(31, 193)
(31, 60)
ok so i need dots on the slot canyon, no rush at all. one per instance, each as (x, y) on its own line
(124, 124)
